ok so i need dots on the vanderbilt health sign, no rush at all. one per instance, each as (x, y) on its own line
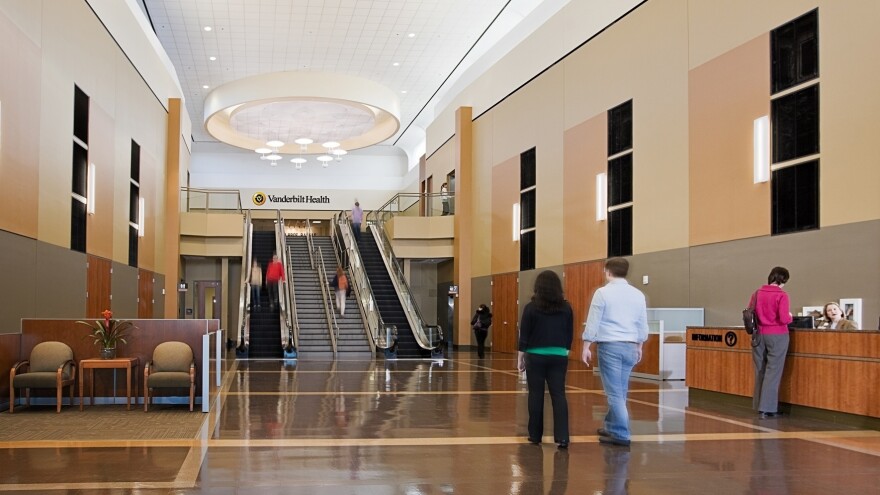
(285, 199)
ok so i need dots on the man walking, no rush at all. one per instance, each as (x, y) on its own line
(357, 216)
(618, 323)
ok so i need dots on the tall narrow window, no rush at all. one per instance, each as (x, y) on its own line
(80, 168)
(134, 204)
(528, 209)
(620, 180)
(794, 104)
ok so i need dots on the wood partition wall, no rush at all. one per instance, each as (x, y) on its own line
(97, 286)
(581, 282)
(141, 343)
(833, 370)
(505, 312)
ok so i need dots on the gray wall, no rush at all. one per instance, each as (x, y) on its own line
(124, 291)
(158, 296)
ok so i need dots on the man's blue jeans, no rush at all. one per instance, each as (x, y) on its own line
(616, 361)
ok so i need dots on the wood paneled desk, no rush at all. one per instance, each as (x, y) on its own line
(128, 364)
(825, 369)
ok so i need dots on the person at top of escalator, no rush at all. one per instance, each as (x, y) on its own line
(274, 277)
(357, 217)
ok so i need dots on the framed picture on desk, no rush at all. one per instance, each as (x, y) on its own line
(852, 310)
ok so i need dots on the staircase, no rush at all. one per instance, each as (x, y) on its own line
(265, 324)
(387, 299)
(314, 337)
(352, 339)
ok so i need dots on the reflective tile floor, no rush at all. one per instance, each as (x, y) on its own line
(454, 426)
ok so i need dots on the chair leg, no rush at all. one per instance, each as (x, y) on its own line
(70, 391)
(146, 398)
(11, 399)
(58, 397)
(27, 397)
(192, 395)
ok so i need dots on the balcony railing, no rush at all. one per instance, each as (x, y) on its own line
(210, 200)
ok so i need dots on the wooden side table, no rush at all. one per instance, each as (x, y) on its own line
(128, 364)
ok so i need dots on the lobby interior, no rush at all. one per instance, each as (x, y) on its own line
(566, 132)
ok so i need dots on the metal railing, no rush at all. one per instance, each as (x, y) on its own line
(210, 200)
(413, 205)
(379, 334)
(318, 266)
(244, 298)
(289, 323)
(428, 337)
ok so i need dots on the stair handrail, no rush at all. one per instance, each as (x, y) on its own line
(420, 328)
(402, 203)
(286, 292)
(322, 281)
(244, 297)
(374, 324)
(329, 310)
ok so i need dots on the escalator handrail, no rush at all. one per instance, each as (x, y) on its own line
(376, 330)
(287, 293)
(244, 297)
(329, 310)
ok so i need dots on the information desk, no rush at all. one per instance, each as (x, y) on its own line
(826, 369)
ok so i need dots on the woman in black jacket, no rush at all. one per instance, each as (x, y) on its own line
(545, 334)
(481, 322)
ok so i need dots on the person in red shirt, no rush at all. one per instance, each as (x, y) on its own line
(772, 310)
(274, 276)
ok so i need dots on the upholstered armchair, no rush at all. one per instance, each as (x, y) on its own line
(51, 365)
(172, 366)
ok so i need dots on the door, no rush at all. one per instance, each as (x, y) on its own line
(146, 281)
(581, 281)
(98, 276)
(505, 310)
(208, 296)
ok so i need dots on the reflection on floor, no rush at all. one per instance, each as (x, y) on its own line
(423, 427)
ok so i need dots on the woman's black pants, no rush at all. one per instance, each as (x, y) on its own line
(481, 341)
(551, 370)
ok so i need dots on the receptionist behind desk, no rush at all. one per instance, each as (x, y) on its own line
(834, 319)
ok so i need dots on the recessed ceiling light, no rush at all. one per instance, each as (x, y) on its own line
(208, 28)
(404, 91)
(205, 86)
(396, 64)
(316, 221)
(212, 58)
(411, 35)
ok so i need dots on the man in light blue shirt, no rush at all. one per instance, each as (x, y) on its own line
(618, 323)
(357, 216)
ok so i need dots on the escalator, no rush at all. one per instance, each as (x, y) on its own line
(351, 338)
(265, 320)
(314, 337)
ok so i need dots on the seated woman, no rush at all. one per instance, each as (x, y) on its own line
(834, 319)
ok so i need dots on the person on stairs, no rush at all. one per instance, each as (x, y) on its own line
(340, 283)
(357, 217)
(274, 277)
(256, 284)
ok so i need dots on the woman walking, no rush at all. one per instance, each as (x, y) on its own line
(340, 283)
(772, 310)
(481, 322)
(546, 332)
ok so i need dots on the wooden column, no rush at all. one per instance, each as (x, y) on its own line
(463, 222)
(172, 207)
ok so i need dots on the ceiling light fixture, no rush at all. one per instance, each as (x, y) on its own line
(275, 143)
(263, 151)
(303, 144)
(330, 145)
(325, 160)
(212, 58)
(338, 153)
(404, 91)
(205, 86)
(411, 35)
(208, 28)
(396, 64)
(273, 157)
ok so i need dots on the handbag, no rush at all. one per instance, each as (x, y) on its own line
(750, 318)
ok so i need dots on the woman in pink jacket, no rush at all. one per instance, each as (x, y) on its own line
(772, 309)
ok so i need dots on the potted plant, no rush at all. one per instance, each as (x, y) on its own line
(109, 333)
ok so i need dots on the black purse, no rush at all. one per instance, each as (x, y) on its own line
(750, 318)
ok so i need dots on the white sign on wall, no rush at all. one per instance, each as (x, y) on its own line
(326, 200)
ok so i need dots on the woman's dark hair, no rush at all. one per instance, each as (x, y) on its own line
(548, 292)
(778, 276)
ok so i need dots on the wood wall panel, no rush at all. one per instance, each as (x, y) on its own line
(838, 371)
(585, 156)
(146, 281)
(505, 310)
(581, 281)
(97, 286)
(650, 363)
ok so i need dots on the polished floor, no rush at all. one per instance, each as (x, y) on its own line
(442, 427)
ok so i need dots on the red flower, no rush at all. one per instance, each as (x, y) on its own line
(107, 314)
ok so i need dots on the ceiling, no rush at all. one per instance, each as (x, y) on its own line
(409, 46)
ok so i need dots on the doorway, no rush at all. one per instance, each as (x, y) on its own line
(208, 297)
(450, 184)
(429, 188)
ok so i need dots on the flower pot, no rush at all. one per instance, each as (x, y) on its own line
(108, 353)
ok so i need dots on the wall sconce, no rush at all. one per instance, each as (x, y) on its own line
(761, 145)
(141, 209)
(516, 225)
(601, 197)
(90, 190)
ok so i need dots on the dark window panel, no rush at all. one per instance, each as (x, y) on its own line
(78, 217)
(80, 170)
(794, 50)
(135, 161)
(527, 251)
(620, 131)
(620, 180)
(620, 232)
(527, 209)
(527, 163)
(133, 196)
(795, 198)
(796, 124)
(132, 246)
(80, 115)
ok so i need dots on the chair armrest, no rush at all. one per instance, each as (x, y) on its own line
(72, 364)
(20, 364)
(147, 367)
(192, 372)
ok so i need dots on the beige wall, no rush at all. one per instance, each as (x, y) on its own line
(586, 155)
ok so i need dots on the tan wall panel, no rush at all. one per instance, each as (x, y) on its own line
(147, 243)
(99, 227)
(726, 95)
(585, 156)
(19, 130)
(481, 204)
(439, 164)
(505, 192)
